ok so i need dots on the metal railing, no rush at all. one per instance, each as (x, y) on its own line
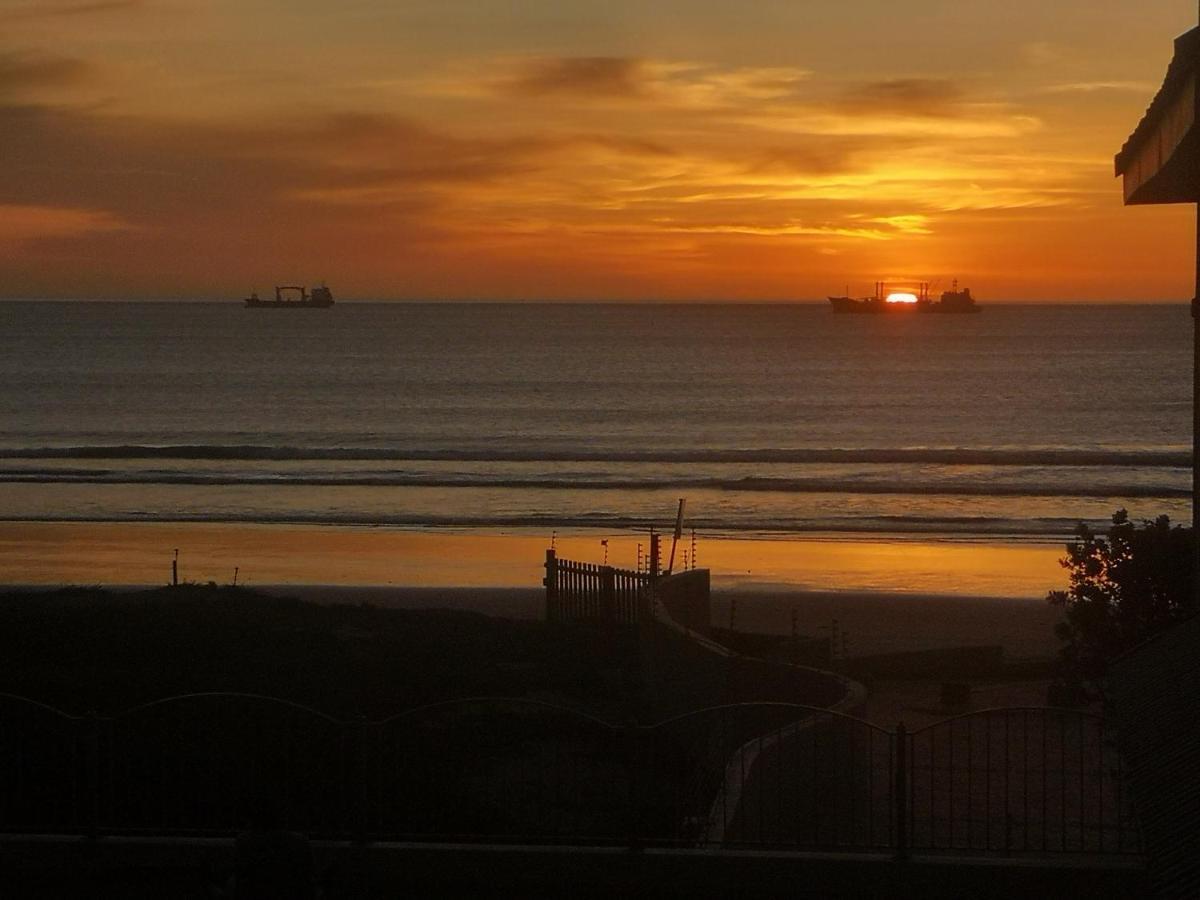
(1018, 780)
(586, 592)
(763, 775)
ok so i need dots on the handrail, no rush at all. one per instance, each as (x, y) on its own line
(39, 704)
(522, 701)
(766, 703)
(278, 701)
(555, 707)
(1062, 710)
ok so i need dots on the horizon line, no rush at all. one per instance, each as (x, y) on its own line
(595, 301)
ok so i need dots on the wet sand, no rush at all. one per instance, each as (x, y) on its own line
(141, 553)
(887, 596)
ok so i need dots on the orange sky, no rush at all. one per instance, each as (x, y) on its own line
(563, 149)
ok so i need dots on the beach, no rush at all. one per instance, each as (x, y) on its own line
(954, 594)
(890, 595)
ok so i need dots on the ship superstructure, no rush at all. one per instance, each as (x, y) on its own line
(320, 298)
(900, 299)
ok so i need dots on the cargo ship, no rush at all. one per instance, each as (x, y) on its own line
(320, 298)
(894, 299)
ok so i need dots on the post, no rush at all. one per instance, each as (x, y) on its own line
(654, 561)
(608, 594)
(551, 583)
(635, 761)
(678, 533)
(91, 750)
(175, 570)
(1196, 426)
(358, 786)
(900, 786)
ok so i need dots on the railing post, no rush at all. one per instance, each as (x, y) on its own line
(638, 779)
(900, 787)
(91, 768)
(551, 583)
(608, 594)
(357, 787)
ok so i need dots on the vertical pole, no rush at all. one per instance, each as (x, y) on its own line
(1196, 426)
(551, 583)
(635, 761)
(608, 594)
(654, 554)
(678, 533)
(91, 752)
(900, 786)
(358, 787)
(175, 570)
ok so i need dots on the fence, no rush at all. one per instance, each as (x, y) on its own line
(1028, 779)
(764, 775)
(585, 592)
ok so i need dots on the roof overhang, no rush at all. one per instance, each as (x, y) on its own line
(1160, 161)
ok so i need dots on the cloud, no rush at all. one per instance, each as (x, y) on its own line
(786, 229)
(19, 223)
(933, 97)
(1043, 53)
(610, 81)
(54, 10)
(20, 71)
(1092, 87)
(587, 76)
(906, 224)
(815, 154)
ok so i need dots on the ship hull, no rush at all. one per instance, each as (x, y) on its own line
(286, 304)
(871, 306)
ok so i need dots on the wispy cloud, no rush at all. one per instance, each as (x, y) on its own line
(53, 10)
(20, 223)
(673, 84)
(588, 76)
(19, 71)
(935, 97)
(1093, 87)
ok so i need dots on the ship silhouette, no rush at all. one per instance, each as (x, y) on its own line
(320, 298)
(951, 301)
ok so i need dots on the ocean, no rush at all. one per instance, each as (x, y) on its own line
(773, 421)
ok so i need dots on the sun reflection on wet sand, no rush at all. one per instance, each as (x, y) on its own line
(140, 553)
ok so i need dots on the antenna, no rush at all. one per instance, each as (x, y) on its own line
(678, 533)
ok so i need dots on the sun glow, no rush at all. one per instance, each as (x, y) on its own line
(901, 298)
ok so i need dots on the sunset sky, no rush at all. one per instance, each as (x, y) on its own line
(572, 149)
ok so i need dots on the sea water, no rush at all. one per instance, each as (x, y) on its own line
(776, 421)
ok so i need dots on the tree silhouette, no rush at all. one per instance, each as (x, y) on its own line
(1123, 589)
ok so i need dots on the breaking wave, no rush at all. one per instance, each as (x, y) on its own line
(939, 456)
(908, 486)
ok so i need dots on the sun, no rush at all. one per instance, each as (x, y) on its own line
(902, 297)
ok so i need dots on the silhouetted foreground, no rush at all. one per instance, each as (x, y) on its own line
(506, 771)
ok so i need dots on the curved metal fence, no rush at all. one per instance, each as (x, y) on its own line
(1018, 780)
(763, 775)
